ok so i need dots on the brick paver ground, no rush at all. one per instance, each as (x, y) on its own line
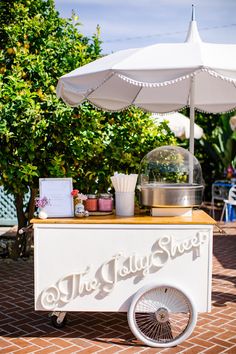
(22, 330)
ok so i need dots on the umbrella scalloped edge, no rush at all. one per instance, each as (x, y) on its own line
(147, 111)
(151, 85)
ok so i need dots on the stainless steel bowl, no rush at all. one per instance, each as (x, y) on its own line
(171, 195)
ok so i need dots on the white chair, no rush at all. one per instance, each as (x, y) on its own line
(229, 203)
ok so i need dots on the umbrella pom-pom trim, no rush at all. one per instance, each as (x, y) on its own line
(171, 82)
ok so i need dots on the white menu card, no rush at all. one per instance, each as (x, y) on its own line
(58, 192)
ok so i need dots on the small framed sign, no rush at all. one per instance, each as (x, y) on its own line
(58, 192)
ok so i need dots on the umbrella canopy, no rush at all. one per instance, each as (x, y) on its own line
(179, 124)
(159, 78)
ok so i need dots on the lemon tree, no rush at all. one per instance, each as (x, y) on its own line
(36, 47)
(42, 137)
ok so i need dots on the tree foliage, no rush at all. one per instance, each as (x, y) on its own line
(39, 135)
(216, 150)
(109, 142)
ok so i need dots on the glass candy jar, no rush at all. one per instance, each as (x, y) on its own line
(105, 202)
(91, 203)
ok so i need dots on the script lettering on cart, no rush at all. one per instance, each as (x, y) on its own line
(117, 268)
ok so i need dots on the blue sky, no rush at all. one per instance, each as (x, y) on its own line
(137, 23)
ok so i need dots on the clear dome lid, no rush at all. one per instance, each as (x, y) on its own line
(170, 164)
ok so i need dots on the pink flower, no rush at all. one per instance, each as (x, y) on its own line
(41, 202)
(82, 196)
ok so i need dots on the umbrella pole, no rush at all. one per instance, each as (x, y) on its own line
(191, 134)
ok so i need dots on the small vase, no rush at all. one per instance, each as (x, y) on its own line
(42, 214)
(79, 210)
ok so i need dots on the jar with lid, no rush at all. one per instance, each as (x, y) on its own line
(105, 202)
(91, 203)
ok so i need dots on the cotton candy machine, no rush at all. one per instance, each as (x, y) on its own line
(170, 177)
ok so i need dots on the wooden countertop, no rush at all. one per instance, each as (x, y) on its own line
(198, 217)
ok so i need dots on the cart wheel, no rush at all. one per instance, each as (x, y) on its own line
(56, 322)
(161, 316)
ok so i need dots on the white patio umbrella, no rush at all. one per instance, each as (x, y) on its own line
(232, 123)
(159, 78)
(179, 124)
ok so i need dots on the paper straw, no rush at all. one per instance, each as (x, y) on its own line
(124, 183)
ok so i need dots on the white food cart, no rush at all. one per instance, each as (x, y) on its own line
(158, 269)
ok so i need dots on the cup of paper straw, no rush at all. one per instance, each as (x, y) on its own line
(124, 203)
(124, 186)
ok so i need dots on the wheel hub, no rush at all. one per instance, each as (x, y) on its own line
(162, 315)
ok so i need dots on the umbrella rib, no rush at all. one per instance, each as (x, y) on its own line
(133, 100)
(102, 83)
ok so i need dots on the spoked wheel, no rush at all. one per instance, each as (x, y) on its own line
(161, 316)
